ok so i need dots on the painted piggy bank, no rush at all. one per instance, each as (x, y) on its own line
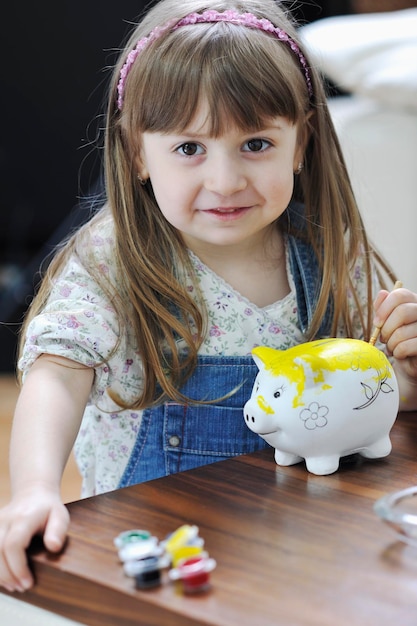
(323, 400)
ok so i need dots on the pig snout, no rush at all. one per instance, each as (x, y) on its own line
(259, 416)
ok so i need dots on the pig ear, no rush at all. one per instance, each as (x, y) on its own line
(264, 357)
(258, 362)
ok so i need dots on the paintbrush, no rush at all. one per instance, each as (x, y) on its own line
(377, 329)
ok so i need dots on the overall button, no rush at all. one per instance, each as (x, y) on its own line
(174, 441)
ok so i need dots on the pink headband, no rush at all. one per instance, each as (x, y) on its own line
(242, 19)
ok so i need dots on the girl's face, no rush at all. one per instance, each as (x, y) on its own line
(222, 191)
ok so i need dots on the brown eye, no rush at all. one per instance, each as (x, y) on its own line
(255, 145)
(189, 149)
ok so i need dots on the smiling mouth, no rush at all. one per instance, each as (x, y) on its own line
(226, 210)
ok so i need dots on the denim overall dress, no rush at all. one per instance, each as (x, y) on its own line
(174, 437)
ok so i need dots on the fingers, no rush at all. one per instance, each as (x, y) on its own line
(396, 315)
(56, 529)
(15, 574)
(380, 299)
(16, 533)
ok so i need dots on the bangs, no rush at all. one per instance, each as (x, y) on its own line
(244, 77)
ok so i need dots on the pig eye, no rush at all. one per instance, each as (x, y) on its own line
(256, 387)
(278, 392)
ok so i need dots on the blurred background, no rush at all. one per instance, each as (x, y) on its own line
(53, 80)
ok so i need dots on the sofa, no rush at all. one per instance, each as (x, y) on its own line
(372, 59)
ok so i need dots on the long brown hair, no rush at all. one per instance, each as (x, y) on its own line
(246, 77)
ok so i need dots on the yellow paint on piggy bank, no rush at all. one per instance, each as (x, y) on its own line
(323, 400)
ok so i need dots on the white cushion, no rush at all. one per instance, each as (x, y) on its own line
(380, 147)
(373, 54)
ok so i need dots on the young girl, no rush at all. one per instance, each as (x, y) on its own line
(229, 223)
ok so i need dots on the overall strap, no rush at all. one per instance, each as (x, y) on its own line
(307, 274)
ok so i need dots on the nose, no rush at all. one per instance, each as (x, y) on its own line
(225, 175)
(249, 417)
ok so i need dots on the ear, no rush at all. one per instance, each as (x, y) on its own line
(141, 168)
(265, 357)
(258, 362)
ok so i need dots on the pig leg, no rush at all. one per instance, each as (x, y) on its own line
(286, 458)
(379, 449)
(322, 465)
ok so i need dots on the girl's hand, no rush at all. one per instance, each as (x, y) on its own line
(36, 510)
(48, 413)
(396, 315)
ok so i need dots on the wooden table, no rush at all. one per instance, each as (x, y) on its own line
(292, 548)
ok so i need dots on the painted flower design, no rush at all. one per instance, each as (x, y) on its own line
(215, 331)
(314, 416)
(73, 322)
(65, 291)
(221, 305)
(274, 328)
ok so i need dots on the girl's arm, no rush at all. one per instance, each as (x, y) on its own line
(46, 421)
(396, 313)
